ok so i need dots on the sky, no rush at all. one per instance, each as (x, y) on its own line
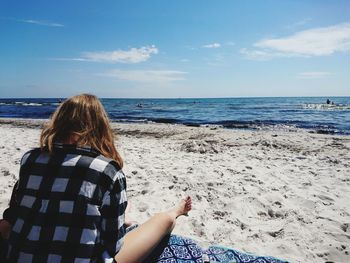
(174, 49)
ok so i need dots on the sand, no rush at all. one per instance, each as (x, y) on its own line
(284, 194)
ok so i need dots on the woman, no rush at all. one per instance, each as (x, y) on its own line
(69, 203)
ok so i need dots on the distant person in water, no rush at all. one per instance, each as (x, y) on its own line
(70, 200)
(328, 101)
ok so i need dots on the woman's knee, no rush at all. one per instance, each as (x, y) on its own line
(166, 219)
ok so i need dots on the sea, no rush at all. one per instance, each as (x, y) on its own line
(273, 113)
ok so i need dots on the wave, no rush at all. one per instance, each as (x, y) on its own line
(325, 106)
(30, 104)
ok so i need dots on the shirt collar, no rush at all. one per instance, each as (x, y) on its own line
(76, 148)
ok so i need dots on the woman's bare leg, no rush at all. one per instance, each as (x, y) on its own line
(139, 243)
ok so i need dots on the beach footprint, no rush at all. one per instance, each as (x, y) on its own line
(198, 227)
(326, 200)
(142, 207)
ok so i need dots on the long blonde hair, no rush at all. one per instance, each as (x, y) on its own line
(84, 118)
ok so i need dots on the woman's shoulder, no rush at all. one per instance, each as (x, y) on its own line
(107, 166)
(29, 153)
(84, 157)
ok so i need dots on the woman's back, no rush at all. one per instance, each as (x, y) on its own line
(68, 207)
(69, 203)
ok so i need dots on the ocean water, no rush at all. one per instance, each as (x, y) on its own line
(311, 113)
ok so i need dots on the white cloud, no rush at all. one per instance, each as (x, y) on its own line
(299, 23)
(314, 74)
(260, 54)
(68, 59)
(148, 76)
(131, 56)
(321, 41)
(35, 22)
(213, 45)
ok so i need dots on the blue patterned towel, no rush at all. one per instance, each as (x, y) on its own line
(222, 254)
(178, 249)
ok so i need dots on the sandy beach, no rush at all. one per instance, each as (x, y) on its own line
(283, 194)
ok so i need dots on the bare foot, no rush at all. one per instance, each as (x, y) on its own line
(182, 208)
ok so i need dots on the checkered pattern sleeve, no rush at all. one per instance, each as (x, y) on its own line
(9, 213)
(113, 216)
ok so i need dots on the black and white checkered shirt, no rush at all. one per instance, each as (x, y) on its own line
(68, 206)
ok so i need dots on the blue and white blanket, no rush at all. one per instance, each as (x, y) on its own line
(178, 249)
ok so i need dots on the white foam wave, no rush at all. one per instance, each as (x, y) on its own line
(325, 106)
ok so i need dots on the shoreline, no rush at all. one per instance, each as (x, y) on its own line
(37, 123)
(277, 193)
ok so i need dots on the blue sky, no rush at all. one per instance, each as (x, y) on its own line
(193, 48)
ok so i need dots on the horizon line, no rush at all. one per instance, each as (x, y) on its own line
(237, 97)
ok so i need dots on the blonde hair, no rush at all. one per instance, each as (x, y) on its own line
(84, 118)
